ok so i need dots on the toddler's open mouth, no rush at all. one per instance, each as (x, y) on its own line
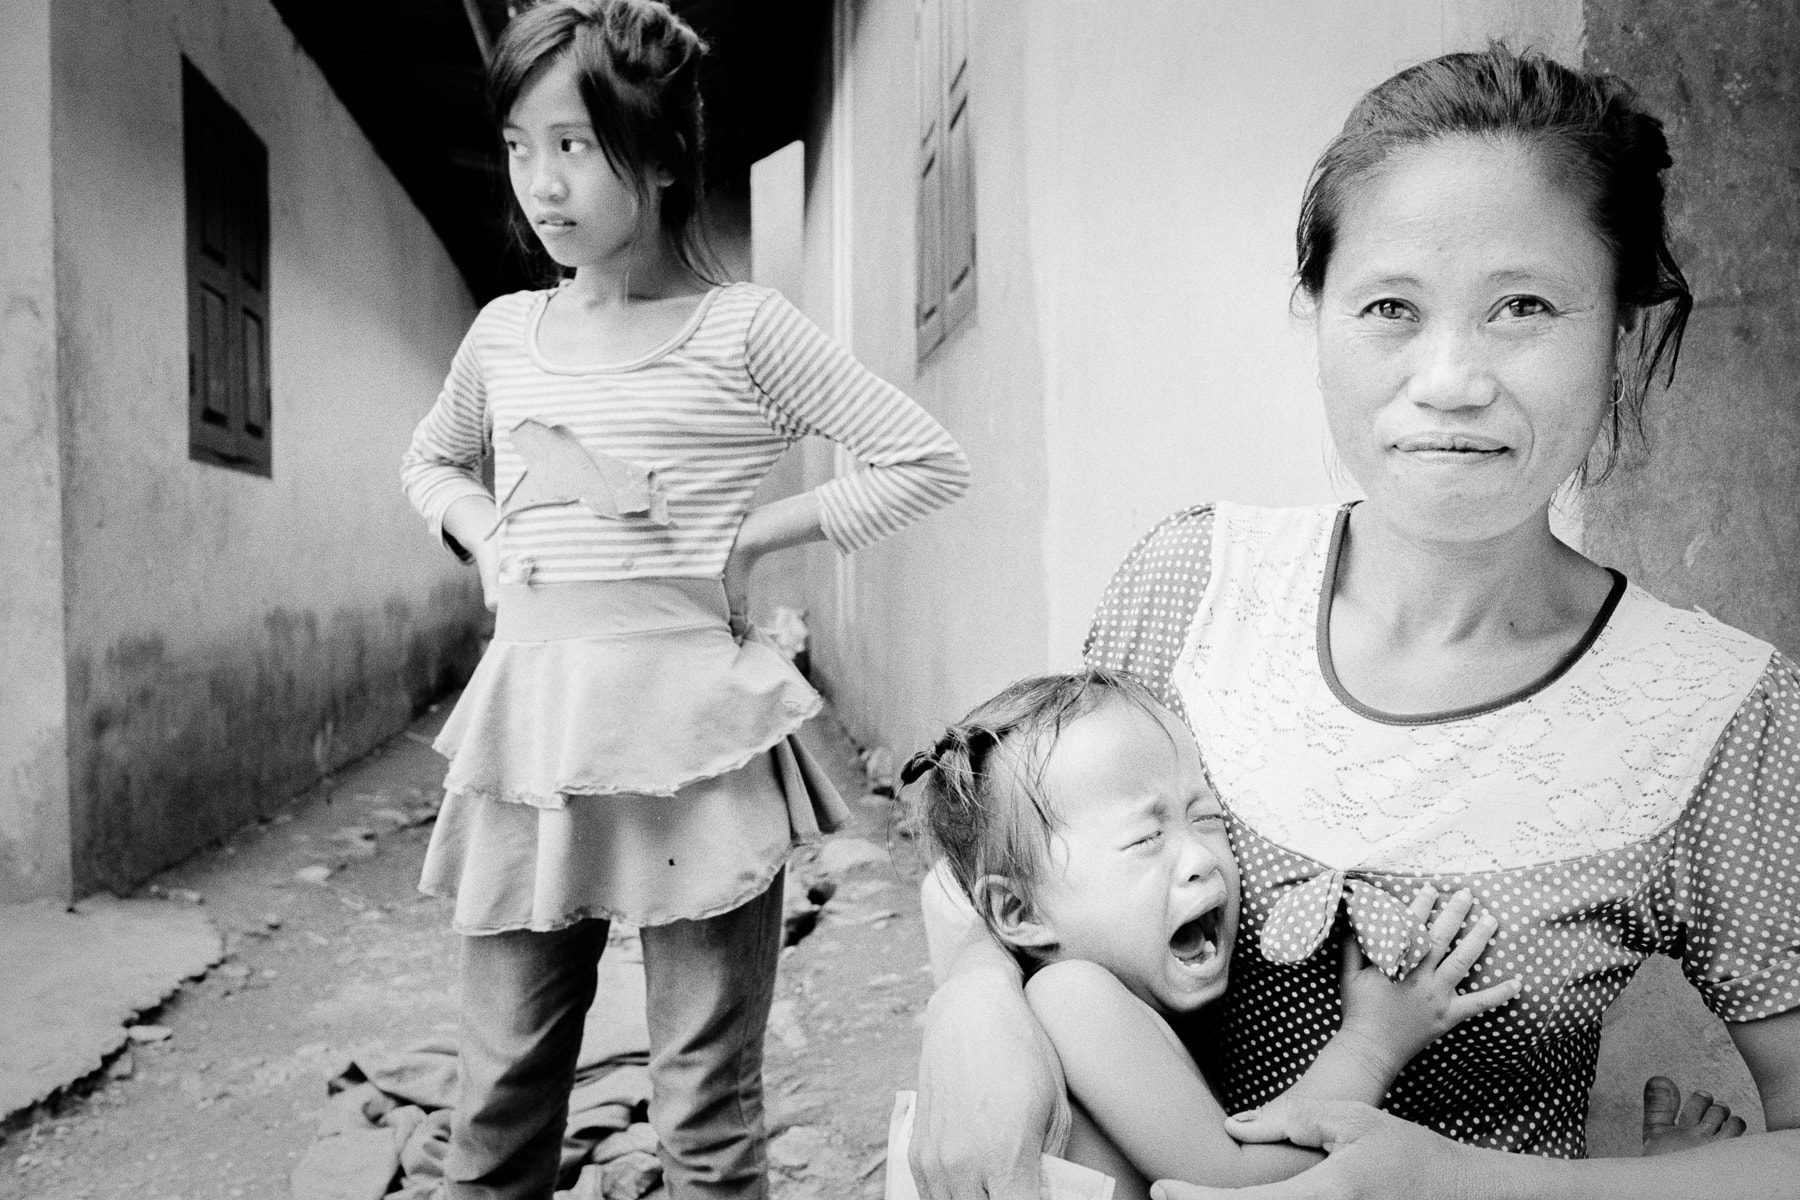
(1196, 942)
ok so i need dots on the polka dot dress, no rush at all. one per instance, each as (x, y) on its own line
(1716, 885)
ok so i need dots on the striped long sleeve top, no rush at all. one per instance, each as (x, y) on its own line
(709, 411)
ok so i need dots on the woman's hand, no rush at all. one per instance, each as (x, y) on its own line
(989, 1092)
(1390, 1020)
(1373, 1156)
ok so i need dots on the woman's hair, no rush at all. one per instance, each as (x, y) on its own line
(1592, 137)
(983, 804)
(638, 67)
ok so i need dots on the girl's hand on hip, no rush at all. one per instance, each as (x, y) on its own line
(988, 1093)
(1401, 1017)
(487, 565)
(737, 589)
(1373, 1155)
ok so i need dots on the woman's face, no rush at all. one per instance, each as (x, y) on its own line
(1467, 334)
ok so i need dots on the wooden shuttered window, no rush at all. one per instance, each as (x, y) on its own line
(227, 172)
(946, 219)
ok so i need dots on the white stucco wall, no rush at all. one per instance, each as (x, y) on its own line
(34, 792)
(230, 635)
(1132, 349)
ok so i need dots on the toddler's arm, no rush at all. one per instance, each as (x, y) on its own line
(1126, 1068)
(1129, 1072)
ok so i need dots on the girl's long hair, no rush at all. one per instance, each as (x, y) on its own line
(637, 65)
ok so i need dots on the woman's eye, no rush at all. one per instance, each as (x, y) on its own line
(1524, 306)
(1149, 839)
(572, 145)
(1389, 310)
(515, 149)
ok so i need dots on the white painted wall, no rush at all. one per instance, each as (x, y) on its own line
(34, 784)
(228, 633)
(1139, 170)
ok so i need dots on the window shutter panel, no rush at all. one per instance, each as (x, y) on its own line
(929, 311)
(226, 172)
(958, 173)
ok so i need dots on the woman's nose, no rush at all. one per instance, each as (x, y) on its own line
(1451, 372)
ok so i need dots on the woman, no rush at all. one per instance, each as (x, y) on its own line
(1429, 687)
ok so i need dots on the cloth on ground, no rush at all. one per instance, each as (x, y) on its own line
(387, 1126)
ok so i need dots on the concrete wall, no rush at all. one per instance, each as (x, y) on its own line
(229, 636)
(1711, 516)
(1131, 350)
(34, 790)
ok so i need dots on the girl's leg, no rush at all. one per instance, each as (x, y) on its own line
(524, 999)
(710, 984)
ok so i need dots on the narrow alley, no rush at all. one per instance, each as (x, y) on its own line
(330, 954)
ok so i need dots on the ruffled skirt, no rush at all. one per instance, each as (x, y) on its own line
(619, 754)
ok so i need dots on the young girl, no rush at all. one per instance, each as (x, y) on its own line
(1073, 814)
(623, 751)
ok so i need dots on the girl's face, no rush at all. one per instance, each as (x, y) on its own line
(1141, 879)
(580, 208)
(1467, 336)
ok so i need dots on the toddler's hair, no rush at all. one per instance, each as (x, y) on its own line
(983, 805)
(638, 67)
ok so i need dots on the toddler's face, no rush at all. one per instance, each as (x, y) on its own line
(1141, 879)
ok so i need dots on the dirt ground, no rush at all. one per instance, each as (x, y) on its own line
(330, 949)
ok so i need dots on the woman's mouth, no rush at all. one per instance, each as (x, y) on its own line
(1196, 942)
(1448, 445)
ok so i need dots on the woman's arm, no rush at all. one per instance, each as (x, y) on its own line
(1373, 1154)
(989, 1092)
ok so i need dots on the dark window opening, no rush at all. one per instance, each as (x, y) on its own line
(228, 271)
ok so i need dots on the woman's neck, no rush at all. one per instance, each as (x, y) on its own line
(1523, 585)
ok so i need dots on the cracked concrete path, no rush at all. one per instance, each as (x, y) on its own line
(329, 948)
(76, 977)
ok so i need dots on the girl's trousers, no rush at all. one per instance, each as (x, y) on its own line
(525, 995)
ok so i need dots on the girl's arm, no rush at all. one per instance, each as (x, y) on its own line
(441, 468)
(811, 385)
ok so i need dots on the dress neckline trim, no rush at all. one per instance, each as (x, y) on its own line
(1322, 641)
(667, 346)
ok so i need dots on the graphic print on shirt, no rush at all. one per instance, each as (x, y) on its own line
(560, 470)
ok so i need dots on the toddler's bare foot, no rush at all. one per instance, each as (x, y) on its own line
(1671, 1126)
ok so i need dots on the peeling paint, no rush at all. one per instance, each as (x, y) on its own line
(170, 752)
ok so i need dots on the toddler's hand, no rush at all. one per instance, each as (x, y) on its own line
(1670, 1125)
(1395, 1019)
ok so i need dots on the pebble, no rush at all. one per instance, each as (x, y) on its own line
(317, 873)
(143, 1034)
